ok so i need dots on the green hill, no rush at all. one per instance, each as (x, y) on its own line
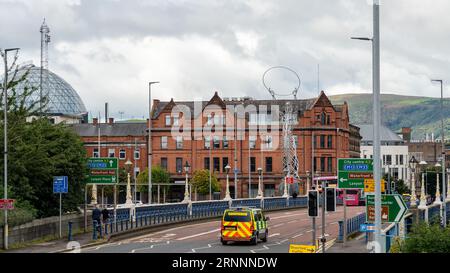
(422, 114)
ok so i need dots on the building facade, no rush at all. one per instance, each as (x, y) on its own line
(394, 151)
(322, 133)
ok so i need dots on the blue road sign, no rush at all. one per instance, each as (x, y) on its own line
(367, 228)
(60, 184)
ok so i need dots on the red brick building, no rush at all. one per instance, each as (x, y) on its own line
(206, 124)
(318, 118)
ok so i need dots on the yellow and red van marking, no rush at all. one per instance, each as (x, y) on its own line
(242, 230)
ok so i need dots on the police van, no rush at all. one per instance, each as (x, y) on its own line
(244, 224)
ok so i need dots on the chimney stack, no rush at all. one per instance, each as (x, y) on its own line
(106, 112)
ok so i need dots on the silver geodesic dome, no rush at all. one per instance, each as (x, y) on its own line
(62, 98)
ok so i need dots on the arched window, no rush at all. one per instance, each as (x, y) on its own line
(323, 118)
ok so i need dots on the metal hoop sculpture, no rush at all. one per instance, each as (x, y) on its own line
(272, 93)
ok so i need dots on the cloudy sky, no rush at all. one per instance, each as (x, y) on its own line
(108, 50)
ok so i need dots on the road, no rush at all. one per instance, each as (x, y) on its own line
(285, 227)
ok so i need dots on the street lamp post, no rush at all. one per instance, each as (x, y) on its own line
(423, 198)
(444, 213)
(412, 165)
(437, 200)
(187, 197)
(260, 193)
(227, 190)
(149, 156)
(129, 200)
(5, 112)
(376, 118)
(448, 186)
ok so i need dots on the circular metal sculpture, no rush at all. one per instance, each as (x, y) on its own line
(272, 92)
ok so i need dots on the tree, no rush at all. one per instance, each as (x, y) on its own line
(159, 175)
(200, 181)
(37, 151)
(426, 238)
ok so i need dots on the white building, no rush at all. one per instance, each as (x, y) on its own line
(394, 151)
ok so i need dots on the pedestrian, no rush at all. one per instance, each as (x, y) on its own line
(105, 215)
(294, 195)
(96, 217)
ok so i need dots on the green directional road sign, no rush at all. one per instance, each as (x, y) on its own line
(393, 208)
(103, 170)
(353, 171)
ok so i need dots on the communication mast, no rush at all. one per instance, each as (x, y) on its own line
(45, 40)
(290, 158)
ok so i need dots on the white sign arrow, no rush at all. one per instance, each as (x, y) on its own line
(402, 206)
(343, 180)
(111, 163)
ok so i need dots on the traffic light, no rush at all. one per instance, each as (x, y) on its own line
(313, 203)
(330, 199)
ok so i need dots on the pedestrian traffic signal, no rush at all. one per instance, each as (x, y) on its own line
(313, 203)
(330, 200)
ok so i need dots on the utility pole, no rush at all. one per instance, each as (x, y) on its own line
(5, 154)
(377, 120)
(235, 155)
(149, 156)
(444, 181)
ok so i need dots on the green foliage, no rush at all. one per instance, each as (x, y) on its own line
(401, 187)
(426, 238)
(37, 151)
(200, 181)
(159, 175)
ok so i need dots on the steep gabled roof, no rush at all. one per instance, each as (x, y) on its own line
(323, 101)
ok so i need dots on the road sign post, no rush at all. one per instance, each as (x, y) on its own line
(60, 185)
(7, 204)
(393, 208)
(352, 172)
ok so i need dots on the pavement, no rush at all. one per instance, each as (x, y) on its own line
(79, 241)
(285, 228)
(356, 245)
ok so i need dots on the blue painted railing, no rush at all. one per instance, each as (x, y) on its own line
(156, 214)
(353, 225)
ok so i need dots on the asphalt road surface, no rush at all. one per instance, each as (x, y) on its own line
(285, 228)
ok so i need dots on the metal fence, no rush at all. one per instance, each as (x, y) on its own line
(353, 225)
(158, 214)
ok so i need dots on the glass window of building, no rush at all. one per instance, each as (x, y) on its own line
(209, 120)
(206, 163)
(225, 142)
(330, 164)
(176, 120)
(137, 154)
(168, 121)
(268, 142)
(217, 119)
(179, 165)
(122, 154)
(224, 163)
(179, 142)
(322, 164)
(111, 153)
(388, 159)
(216, 164)
(252, 142)
(401, 160)
(216, 142)
(296, 140)
(164, 142)
(207, 142)
(95, 153)
(253, 164)
(322, 141)
(164, 163)
(330, 142)
(269, 164)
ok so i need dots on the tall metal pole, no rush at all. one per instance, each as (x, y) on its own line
(60, 215)
(377, 120)
(149, 159)
(323, 215)
(249, 168)
(235, 156)
(210, 170)
(134, 171)
(5, 112)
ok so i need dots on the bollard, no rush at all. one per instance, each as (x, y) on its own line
(341, 233)
(70, 231)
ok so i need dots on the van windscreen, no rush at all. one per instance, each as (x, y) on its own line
(237, 216)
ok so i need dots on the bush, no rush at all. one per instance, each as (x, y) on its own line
(426, 238)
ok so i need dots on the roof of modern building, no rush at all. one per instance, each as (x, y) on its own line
(62, 99)
(386, 135)
(114, 129)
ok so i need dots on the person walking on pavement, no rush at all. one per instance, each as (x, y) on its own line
(105, 217)
(96, 217)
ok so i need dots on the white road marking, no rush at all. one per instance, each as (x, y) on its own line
(290, 215)
(275, 234)
(150, 247)
(169, 235)
(298, 235)
(293, 221)
(263, 248)
(309, 231)
(209, 246)
(199, 234)
(279, 225)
